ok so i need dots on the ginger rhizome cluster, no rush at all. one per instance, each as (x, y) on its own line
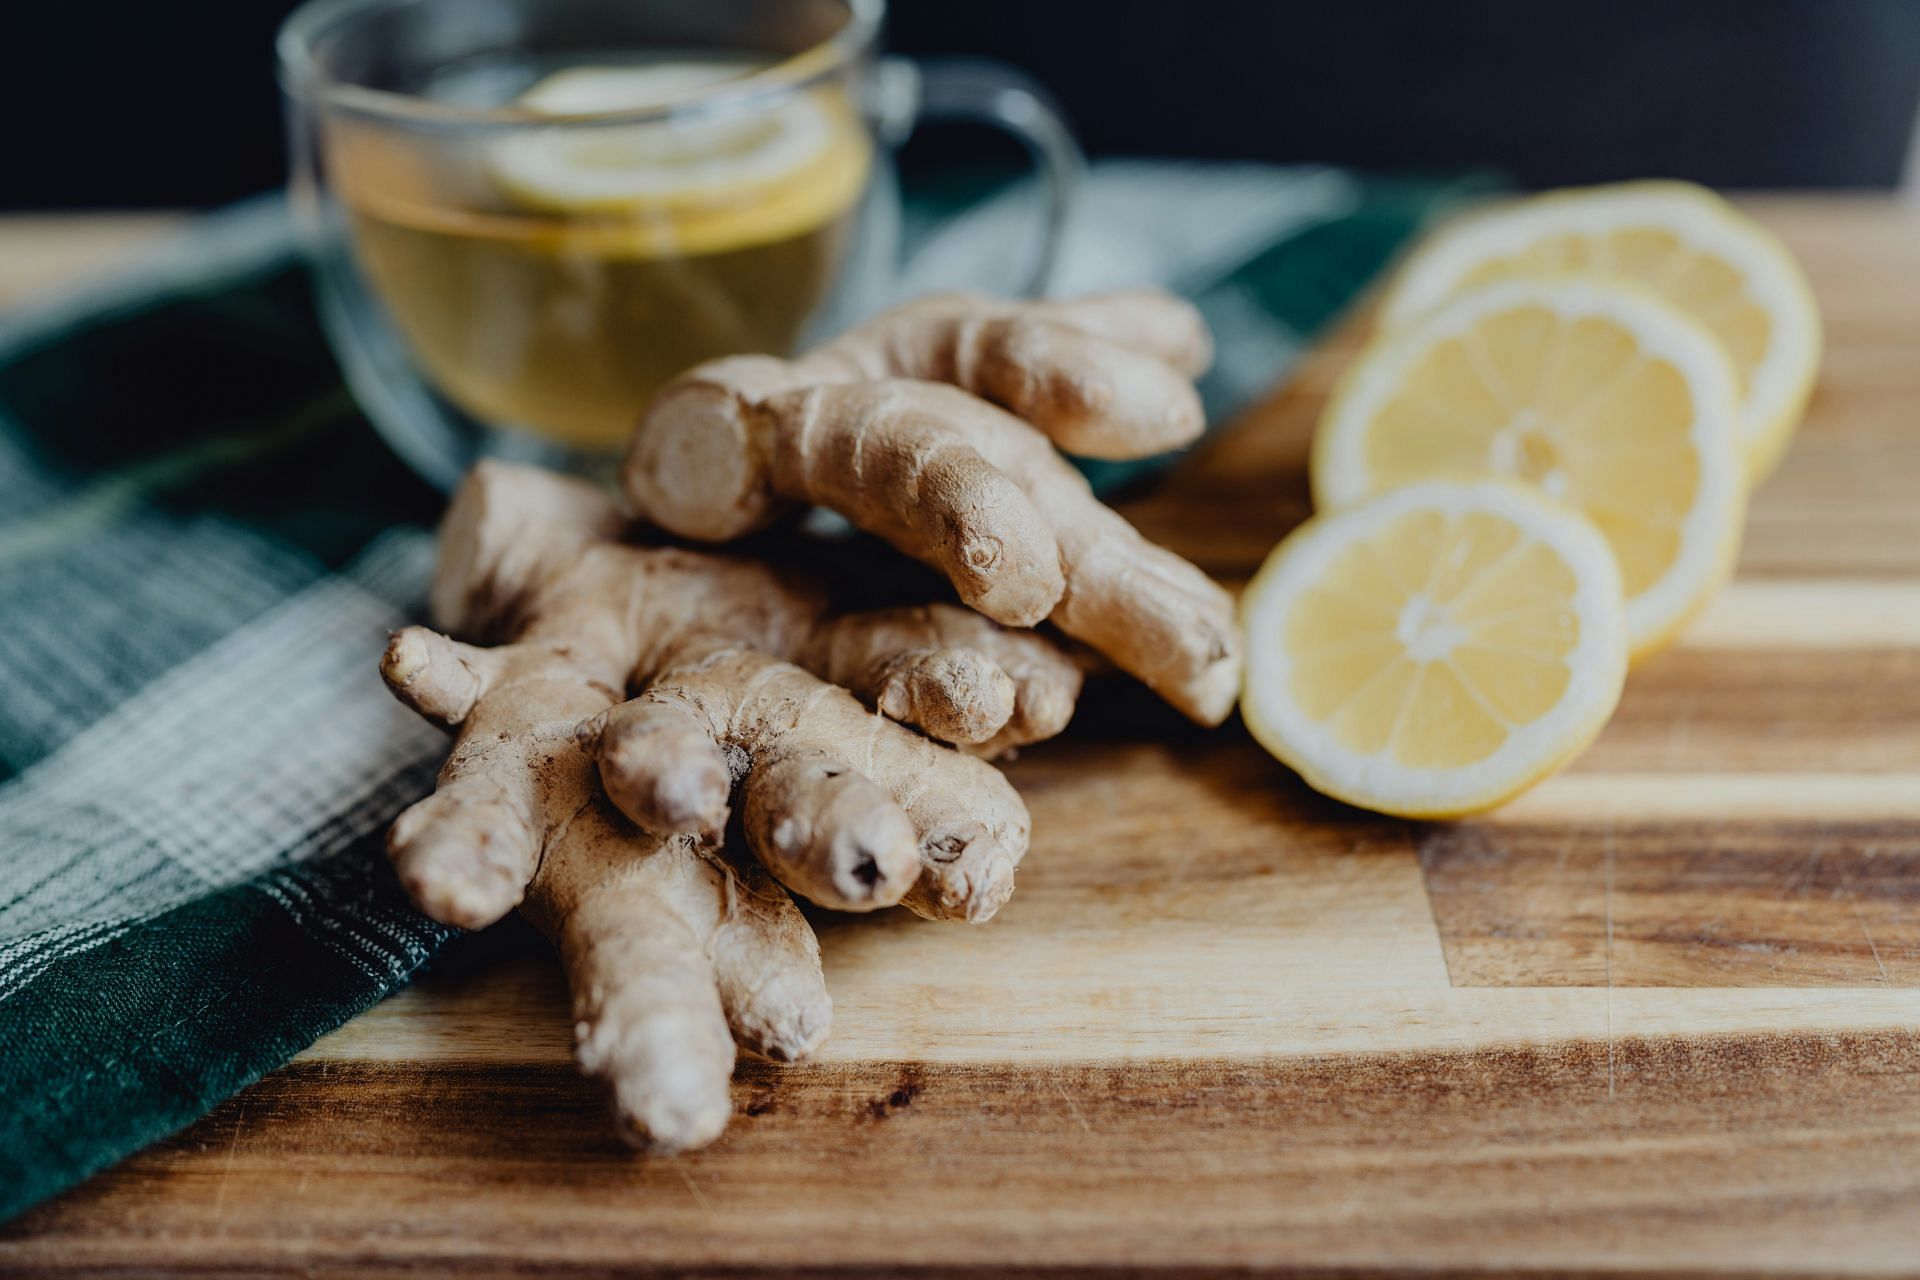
(655, 747)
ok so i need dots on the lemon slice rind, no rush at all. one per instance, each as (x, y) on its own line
(1532, 751)
(1710, 531)
(1777, 387)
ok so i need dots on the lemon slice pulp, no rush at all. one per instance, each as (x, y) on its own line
(1600, 394)
(1673, 238)
(1436, 650)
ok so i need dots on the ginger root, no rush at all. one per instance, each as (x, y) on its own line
(933, 426)
(627, 718)
(628, 695)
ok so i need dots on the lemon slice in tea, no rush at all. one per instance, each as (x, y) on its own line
(716, 176)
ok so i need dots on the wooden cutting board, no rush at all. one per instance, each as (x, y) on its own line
(1659, 1015)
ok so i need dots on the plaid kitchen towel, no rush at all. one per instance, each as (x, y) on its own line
(202, 546)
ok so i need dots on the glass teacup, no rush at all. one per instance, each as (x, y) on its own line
(527, 215)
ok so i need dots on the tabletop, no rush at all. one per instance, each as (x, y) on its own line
(1660, 1015)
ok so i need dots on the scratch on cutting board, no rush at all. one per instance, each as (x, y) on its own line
(1066, 1096)
(1860, 917)
(698, 1196)
(233, 1150)
(1607, 901)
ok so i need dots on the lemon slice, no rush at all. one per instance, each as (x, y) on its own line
(1676, 239)
(1599, 393)
(613, 168)
(1436, 650)
(580, 91)
(722, 177)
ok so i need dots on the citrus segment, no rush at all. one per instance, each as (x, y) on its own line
(1435, 650)
(1600, 394)
(1675, 239)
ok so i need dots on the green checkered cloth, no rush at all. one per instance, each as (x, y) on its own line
(202, 547)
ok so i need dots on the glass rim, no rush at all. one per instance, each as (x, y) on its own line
(300, 73)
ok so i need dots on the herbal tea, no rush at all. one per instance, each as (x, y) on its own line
(554, 278)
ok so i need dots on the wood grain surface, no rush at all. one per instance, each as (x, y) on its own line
(1661, 1015)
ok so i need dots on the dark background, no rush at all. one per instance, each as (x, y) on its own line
(146, 102)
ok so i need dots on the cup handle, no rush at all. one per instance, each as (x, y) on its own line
(910, 91)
